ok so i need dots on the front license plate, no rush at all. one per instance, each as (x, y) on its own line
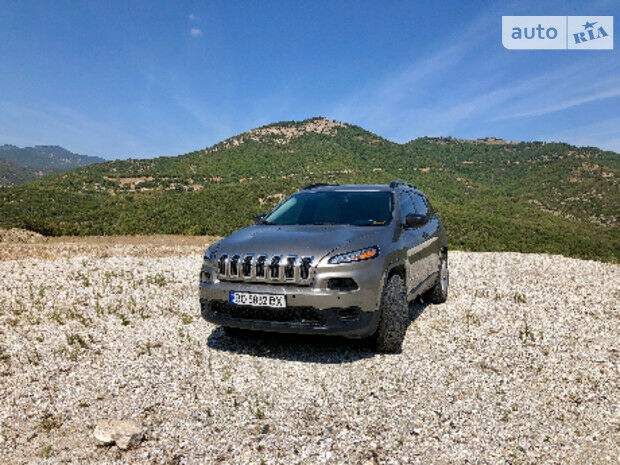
(257, 300)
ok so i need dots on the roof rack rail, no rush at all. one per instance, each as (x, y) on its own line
(395, 184)
(318, 184)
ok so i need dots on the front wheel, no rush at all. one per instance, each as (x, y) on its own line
(394, 316)
(438, 294)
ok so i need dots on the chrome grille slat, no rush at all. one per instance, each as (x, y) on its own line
(234, 266)
(222, 265)
(261, 267)
(251, 267)
(281, 267)
(296, 270)
(289, 267)
(247, 266)
(304, 267)
(274, 268)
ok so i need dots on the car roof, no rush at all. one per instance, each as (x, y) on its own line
(350, 187)
(360, 187)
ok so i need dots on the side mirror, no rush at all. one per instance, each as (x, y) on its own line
(415, 220)
(259, 218)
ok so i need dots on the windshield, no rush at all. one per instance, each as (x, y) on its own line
(363, 208)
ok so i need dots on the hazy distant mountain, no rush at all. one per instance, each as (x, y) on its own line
(38, 161)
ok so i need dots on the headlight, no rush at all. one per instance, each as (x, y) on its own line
(357, 256)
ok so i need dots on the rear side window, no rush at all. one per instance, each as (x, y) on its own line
(406, 206)
(420, 204)
(431, 210)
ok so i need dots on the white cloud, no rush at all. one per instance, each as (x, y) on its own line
(192, 17)
(195, 32)
(392, 105)
(487, 96)
(604, 134)
(567, 103)
(67, 127)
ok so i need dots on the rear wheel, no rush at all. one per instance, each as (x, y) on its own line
(438, 294)
(394, 316)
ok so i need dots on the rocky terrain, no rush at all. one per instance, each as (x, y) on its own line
(282, 134)
(520, 366)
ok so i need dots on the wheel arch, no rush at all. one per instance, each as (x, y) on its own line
(395, 267)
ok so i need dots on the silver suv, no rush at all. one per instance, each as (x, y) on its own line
(330, 259)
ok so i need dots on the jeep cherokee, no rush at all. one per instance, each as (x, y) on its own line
(330, 259)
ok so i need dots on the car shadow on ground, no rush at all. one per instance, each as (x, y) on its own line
(300, 348)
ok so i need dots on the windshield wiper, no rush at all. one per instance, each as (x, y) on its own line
(319, 223)
(373, 223)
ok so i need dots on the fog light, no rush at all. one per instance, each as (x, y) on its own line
(348, 314)
(342, 284)
(206, 276)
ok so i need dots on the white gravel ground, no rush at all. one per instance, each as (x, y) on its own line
(520, 366)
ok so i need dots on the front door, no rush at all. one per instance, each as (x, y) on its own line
(412, 241)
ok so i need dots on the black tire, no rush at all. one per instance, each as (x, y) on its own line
(394, 316)
(438, 294)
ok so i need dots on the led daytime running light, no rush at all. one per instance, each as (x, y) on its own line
(356, 256)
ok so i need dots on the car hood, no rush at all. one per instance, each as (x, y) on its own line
(316, 241)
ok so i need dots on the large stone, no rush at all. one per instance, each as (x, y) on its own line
(125, 434)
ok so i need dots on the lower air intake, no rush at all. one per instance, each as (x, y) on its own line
(302, 315)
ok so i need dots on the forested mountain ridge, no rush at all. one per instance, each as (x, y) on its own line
(10, 173)
(491, 194)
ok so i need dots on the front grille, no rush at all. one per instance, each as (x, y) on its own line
(264, 268)
(302, 315)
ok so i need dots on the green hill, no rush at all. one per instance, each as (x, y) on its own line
(10, 173)
(491, 194)
(38, 161)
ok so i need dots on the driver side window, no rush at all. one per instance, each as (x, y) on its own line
(406, 206)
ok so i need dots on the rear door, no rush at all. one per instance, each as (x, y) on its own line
(429, 234)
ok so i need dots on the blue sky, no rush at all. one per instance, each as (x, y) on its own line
(149, 78)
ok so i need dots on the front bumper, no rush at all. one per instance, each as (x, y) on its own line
(347, 321)
(310, 309)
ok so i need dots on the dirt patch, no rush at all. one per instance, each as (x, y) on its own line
(104, 246)
(272, 199)
(484, 140)
(129, 181)
(20, 236)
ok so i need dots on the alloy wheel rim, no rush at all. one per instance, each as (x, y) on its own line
(443, 275)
